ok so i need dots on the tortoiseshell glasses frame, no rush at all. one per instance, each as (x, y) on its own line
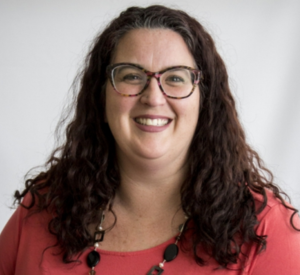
(197, 76)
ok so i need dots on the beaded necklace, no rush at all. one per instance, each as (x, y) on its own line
(170, 253)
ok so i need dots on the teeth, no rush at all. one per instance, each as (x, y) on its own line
(152, 122)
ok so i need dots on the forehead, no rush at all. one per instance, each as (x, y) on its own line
(153, 49)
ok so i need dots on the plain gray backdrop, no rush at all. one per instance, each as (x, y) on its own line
(43, 44)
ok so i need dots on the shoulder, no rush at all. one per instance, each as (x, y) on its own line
(275, 211)
(24, 239)
(271, 199)
(281, 255)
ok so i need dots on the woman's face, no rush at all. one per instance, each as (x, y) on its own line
(154, 50)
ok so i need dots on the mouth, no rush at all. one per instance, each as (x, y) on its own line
(152, 121)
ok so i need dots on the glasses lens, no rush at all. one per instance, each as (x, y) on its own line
(128, 79)
(178, 82)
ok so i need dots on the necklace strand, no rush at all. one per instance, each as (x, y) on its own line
(170, 253)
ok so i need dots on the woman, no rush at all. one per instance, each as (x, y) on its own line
(155, 174)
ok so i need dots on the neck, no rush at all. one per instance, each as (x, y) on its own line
(152, 186)
(147, 205)
(149, 192)
(141, 200)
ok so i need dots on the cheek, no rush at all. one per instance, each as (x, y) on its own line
(195, 105)
(189, 110)
(111, 106)
(117, 107)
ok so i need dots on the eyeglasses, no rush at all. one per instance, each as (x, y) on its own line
(131, 80)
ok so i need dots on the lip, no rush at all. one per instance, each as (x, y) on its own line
(151, 128)
(152, 117)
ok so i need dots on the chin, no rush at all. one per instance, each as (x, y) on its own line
(151, 155)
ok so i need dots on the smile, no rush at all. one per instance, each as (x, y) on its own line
(152, 122)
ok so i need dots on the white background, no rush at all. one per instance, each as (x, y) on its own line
(43, 44)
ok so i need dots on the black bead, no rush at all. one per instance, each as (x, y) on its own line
(171, 252)
(156, 269)
(98, 236)
(93, 258)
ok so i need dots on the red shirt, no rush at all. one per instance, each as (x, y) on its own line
(24, 239)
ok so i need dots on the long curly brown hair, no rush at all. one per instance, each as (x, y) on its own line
(82, 174)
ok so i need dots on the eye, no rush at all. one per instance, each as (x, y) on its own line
(177, 77)
(132, 77)
(174, 78)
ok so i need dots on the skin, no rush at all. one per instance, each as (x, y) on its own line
(152, 164)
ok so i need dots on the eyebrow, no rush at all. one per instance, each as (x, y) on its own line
(142, 68)
(126, 66)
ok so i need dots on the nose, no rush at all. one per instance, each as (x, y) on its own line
(152, 95)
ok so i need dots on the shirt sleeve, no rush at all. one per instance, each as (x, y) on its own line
(282, 254)
(9, 243)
